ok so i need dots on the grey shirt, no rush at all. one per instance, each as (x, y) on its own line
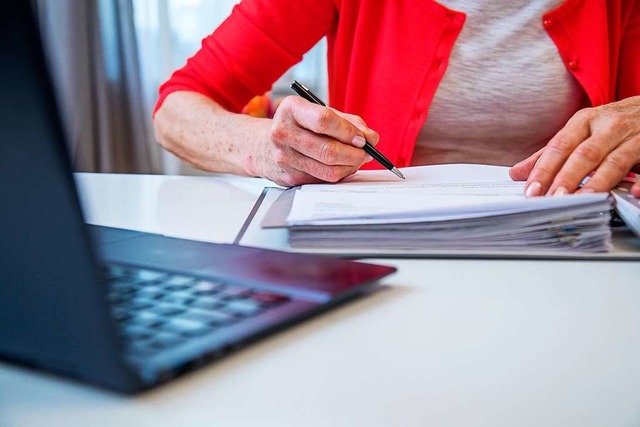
(506, 91)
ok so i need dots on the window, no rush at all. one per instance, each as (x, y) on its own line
(170, 31)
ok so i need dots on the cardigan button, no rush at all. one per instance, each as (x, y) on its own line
(573, 65)
(546, 22)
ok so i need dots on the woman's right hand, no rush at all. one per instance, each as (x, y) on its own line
(308, 143)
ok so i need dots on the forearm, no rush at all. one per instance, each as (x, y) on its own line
(303, 143)
(198, 130)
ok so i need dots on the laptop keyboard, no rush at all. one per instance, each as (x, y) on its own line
(157, 310)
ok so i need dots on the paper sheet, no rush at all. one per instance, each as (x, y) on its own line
(430, 193)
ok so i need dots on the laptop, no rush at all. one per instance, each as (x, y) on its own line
(120, 309)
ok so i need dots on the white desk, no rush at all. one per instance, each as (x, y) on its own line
(447, 343)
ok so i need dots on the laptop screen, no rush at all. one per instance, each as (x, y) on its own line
(49, 284)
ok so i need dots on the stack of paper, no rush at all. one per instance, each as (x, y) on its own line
(627, 206)
(447, 207)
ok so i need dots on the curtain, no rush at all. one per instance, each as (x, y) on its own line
(92, 52)
(108, 58)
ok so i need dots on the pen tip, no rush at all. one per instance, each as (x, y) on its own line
(398, 173)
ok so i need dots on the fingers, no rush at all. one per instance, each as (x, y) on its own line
(521, 170)
(288, 167)
(603, 140)
(321, 148)
(609, 151)
(321, 120)
(370, 135)
(321, 171)
(308, 142)
(613, 168)
(290, 177)
(555, 154)
(587, 157)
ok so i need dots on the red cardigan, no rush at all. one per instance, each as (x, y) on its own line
(387, 57)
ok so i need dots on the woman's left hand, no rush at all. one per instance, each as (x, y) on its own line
(604, 140)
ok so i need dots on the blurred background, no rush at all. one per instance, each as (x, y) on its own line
(108, 58)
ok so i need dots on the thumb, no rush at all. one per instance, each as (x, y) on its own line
(521, 170)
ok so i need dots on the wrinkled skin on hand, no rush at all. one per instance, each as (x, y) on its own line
(604, 140)
(308, 143)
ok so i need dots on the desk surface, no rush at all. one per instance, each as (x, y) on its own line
(445, 342)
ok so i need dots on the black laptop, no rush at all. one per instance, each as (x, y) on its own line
(115, 308)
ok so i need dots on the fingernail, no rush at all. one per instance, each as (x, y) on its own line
(368, 159)
(534, 189)
(586, 190)
(358, 141)
(560, 191)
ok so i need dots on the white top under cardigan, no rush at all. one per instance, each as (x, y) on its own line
(506, 91)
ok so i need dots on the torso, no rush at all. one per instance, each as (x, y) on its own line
(506, 91)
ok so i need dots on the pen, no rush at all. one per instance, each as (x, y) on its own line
(304, 92)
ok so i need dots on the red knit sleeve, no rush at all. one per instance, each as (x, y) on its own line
(251, 49)
(629, 71)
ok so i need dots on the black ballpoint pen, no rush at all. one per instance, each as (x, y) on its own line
(304, 92)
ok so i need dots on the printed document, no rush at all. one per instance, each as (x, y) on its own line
(430, 193)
